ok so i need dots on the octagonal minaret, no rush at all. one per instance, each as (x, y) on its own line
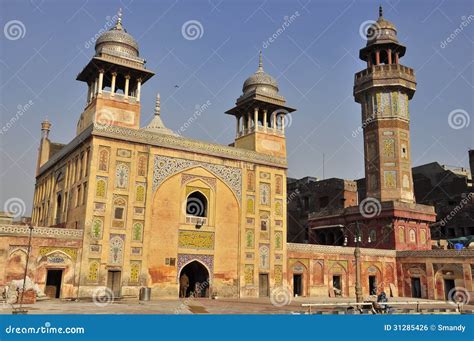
(383, 89)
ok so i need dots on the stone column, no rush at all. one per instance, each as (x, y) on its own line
(396, 57)
(112, 87)
(101, 81)
(89, 92)
(389, 54)
(127, 85)
(237, 127)
(265, 120)
(282, 123)
(139, 87)
(274, 121)
(377, 57)
(248, 122)
(95, 86)
(255, 115)
(467, 274)
(430, 284)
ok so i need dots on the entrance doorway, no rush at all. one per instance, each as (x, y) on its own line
(263, 285)
(415, 287)
(194, 280)
(53, 283)
(297, 285)
(448, 286)
(113, 281)
(373, 285)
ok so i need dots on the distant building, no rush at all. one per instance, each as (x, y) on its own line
(309, 195)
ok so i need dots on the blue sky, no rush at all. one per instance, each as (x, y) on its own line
(314, 61)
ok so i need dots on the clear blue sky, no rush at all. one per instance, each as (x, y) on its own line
(314, 61)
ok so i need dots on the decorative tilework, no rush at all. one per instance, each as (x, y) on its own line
(135, 267)
(140, 192)
(165, 167)
(264, 254)
(278, 208)
(249, 239)
(121, 175)
(137, 232)
(96, 228)
(248, 274)
(265, 194)
(116, 248)
(196, 240)
(278, 274)
(125, 153)
(389, 148)
(94, 248)
(141, 165)
(101, 187)
(71, 252)
(136, 251)
(185, 178)
(250, 204)
(93, 273)
(278, 240)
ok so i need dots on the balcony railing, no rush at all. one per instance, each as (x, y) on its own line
(194, 220)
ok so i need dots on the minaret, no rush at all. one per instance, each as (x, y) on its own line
(260, 115)
(45, 144)
(383, 89)
(114, 77)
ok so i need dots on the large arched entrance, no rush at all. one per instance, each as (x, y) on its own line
(194, 280)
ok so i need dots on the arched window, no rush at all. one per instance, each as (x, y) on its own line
(401, 234)
(196, 205)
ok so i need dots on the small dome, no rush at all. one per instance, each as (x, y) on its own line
(382, 31)
(261, 81)
(117, 41)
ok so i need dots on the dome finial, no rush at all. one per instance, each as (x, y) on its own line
(157, 104)
(118, 24)
(260, 62)
(380, 12)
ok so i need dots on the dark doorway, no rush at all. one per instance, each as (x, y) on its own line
(448, 286)
(113, 281)
(297, 285)
(53, 283)
(263, 285)
(337, 285)
(416, 287)
(372, 285)
(194, 280)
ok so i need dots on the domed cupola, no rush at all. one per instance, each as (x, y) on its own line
(260, 81)
(382, 31)
(117, 41)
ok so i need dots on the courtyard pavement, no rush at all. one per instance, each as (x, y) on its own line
(198, 306)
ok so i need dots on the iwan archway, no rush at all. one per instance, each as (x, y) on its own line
(194, 280)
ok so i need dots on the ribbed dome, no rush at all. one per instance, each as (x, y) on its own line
(261, 81)
(382, 31)
(117, 41)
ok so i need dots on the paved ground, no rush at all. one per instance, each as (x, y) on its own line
(194, 306)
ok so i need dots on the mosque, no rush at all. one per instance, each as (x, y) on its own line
(126, 205)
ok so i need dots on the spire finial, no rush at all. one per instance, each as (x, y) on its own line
(380, 12)
(157, 105)
(118, 25)
(260, 62)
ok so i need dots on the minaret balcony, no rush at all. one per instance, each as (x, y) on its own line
(385, 75)
(261, 129)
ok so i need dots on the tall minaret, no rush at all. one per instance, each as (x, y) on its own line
(383, 89)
